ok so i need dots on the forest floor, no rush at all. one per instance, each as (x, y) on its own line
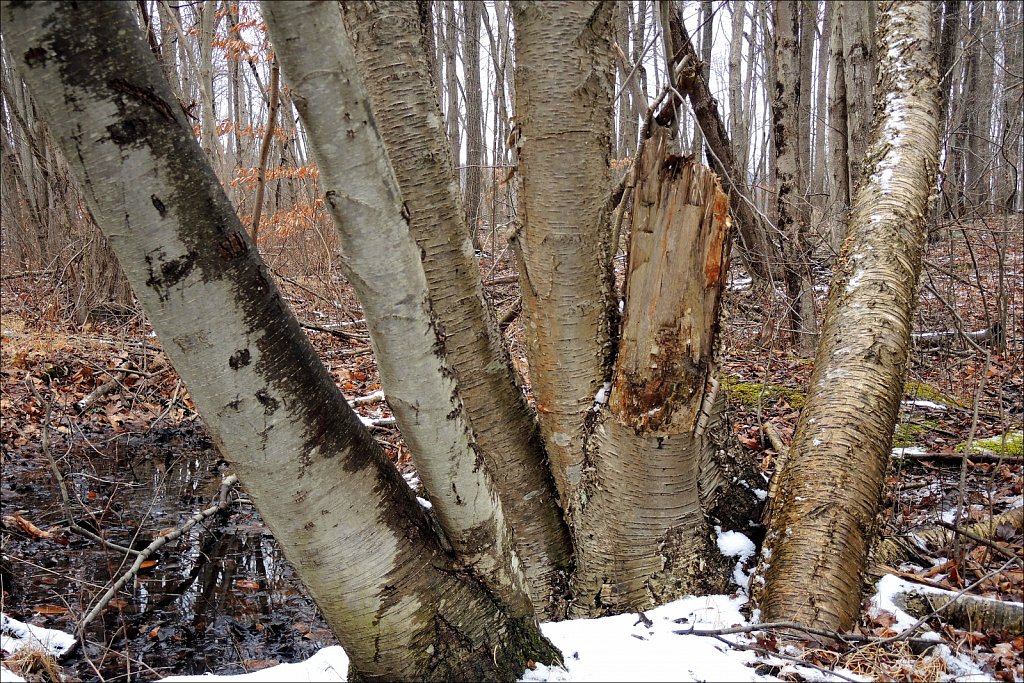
(136, 461)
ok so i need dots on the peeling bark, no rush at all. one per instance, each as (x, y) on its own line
(831, 485)
(386, 39)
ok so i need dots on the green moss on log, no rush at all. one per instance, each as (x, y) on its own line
(752, 394)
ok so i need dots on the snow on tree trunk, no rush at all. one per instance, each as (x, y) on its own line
(831, 485)
(403, 607)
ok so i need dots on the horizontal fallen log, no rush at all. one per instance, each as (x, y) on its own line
(958, 457)
(945, 337)
(968, 612)
(895, 550)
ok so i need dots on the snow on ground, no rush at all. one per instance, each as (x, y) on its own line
(15, 635)
(654, 646)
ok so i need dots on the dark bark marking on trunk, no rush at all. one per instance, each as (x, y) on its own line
(239, 359)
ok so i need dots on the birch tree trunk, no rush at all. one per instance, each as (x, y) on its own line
(386, 41)
(831, 485)
(382, 262)
(660, 465)
(564, 90)
(342, 513)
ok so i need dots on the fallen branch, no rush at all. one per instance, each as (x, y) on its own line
(511, 315)
(848, 638)
(980, 539)
(967, 611)
(334, 331)
(957, 457)
(44, 442)
(147, 552)
(102, 390)
(934, 339)
(503, 280)
(894, 551)
(26, 273)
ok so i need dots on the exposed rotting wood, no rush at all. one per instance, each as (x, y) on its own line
(678, 253)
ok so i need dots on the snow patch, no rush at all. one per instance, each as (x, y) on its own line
(15, 635)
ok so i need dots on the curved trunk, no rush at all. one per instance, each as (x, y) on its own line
(382, 262)
(831, 485)
(386, 39)
(341, 512)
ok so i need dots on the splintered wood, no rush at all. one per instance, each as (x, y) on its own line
(678, 253)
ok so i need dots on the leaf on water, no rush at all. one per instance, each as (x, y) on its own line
(50, 609)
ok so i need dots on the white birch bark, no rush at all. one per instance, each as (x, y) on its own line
(343, 514)
(382, 262)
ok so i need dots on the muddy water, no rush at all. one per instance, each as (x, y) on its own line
(222, 598)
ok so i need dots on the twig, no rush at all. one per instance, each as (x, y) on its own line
(44, 442)
(848, 638)
(962, 488)
(788, 658)
(147, 552)
(979, 539)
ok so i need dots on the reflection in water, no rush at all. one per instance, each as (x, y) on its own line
(216, 599)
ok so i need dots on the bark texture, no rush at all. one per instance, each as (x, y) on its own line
(831, 485)
(387, 44)
(792, 216)
(564, 89)
(645, 537)
(382, 262)
(342, 513)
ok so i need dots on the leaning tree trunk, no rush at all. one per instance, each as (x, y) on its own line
(381, 261)
(402, 606)
(831, 485)
(387, 41)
